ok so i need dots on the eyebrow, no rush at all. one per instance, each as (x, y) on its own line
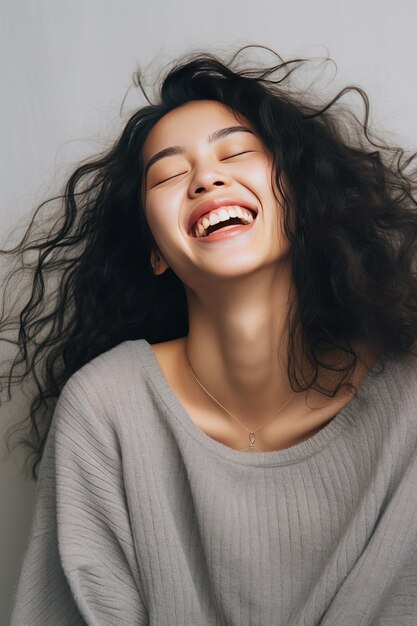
(218, 134)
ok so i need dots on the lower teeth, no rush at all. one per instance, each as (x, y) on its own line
(224, 228)
(227, 228)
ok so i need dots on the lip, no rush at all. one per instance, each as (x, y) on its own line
(211, 205)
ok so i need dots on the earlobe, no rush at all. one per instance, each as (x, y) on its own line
(159, 265)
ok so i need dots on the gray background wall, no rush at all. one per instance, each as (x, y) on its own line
(66, 67)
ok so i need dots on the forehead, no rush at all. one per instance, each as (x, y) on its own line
(188, 123)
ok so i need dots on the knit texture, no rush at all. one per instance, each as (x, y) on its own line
(142, 518)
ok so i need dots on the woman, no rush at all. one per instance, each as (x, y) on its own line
(232, 344)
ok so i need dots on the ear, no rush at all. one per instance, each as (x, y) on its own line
(159, 265)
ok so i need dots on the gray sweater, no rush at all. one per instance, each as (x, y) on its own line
(142, 518)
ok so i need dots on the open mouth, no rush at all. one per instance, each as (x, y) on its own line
(223, 220)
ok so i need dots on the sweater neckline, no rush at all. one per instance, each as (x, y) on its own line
(286, 456)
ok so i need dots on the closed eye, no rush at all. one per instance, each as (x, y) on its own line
(225, 159)
(238, 154)
(165, 179)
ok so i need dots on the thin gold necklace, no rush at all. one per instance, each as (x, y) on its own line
(251, 447)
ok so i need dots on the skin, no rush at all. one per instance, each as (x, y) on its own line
(237, 289)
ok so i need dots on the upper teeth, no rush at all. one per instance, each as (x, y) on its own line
(220, 215)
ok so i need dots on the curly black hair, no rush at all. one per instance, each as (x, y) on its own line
(349, 214)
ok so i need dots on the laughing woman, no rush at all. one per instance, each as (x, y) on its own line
(232, 349)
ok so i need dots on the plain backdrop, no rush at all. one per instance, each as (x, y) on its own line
(67, 66)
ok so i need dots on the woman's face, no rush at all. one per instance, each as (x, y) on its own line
(233, 166)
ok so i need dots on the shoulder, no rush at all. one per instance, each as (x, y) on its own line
(107, 381)
(116, 361)
(96, 405)
(393, 393)
(399, 375)
(402, 380)
(113, 368)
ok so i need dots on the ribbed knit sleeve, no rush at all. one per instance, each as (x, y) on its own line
(79, 566)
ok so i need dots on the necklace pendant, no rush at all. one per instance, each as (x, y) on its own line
(252, 447)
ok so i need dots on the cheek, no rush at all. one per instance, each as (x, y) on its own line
(266, 175)
(259, 168)
(164, 207)
(260, 176)
(152, 215)
(162, 221)
(155, 219)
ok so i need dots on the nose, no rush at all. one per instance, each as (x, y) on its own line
(203, 181)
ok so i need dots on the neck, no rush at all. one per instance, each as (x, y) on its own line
(237, 344)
